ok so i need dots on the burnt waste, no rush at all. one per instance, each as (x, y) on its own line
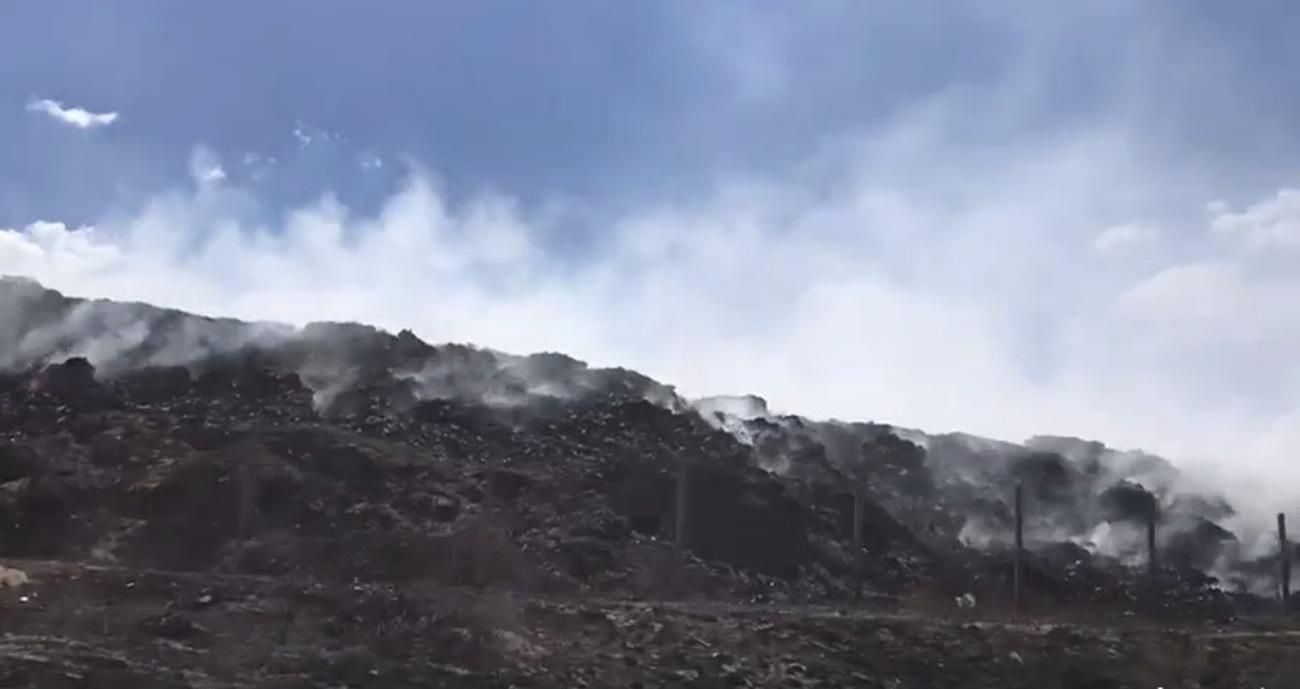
(142, 437)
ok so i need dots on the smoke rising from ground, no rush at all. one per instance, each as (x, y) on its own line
(1065, 282)
(1002, 324)
(953, 488)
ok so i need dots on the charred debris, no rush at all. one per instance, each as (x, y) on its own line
(147, 438)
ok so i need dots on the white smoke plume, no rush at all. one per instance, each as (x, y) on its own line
(871, 283)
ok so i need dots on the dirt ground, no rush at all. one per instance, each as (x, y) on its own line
(80, 626)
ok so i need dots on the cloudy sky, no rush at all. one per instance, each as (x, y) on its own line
(1005, 216)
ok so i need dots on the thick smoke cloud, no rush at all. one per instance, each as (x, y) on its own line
(816, 291)
(1084, 498)
(979, 257)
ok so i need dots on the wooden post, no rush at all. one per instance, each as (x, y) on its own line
(286, 621)
(246, 494)
(1020, 547)
(679, 524)
(1285, 556)
(1151, 540)
(858, 510)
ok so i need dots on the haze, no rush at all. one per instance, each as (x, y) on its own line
(1000, 217)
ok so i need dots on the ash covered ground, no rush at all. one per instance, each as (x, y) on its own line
(202, 502)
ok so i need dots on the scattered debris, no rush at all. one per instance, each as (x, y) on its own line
(12, 578)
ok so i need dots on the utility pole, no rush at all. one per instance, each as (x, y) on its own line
(1285, 557)
(858, 510)
(1151, 538)
(679, 524)
(246, 492)
(1020, 547)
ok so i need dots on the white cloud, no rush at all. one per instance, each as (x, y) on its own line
(254, 159)
(212, 175)
(1125, 236)
(1206, 292)
(55, 251)
(307, 134)
(257, 166)
(1270, 224)
(205, 167)
(78, 117)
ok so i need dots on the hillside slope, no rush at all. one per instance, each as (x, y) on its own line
(150, 459)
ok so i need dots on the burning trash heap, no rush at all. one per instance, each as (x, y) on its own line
(140, 437)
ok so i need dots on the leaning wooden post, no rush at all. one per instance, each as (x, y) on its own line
(286, 621)
(1285, 556)
(1020, 547)
(1151, 539)
(858, 510)
(679, 524)
(246, 494)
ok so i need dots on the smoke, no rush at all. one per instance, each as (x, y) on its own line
(747, 294)
(325, 261)
(908, 275)
(45, 327)
(349, 368)
(730, 412)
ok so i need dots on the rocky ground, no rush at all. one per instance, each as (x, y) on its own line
(239, 523)
(76, 626)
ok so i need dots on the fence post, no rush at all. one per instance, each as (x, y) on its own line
(1284, 552)
(1020, 547)
(246, 494)
(858, 510)
(679, 525)
(1151, 539)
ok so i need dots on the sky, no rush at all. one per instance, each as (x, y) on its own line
(1004, 217)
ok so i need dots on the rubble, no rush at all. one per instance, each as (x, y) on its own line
(12, 578)
(324, 506)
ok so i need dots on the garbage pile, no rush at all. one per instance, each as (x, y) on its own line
(341, 452)
(236, 471)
